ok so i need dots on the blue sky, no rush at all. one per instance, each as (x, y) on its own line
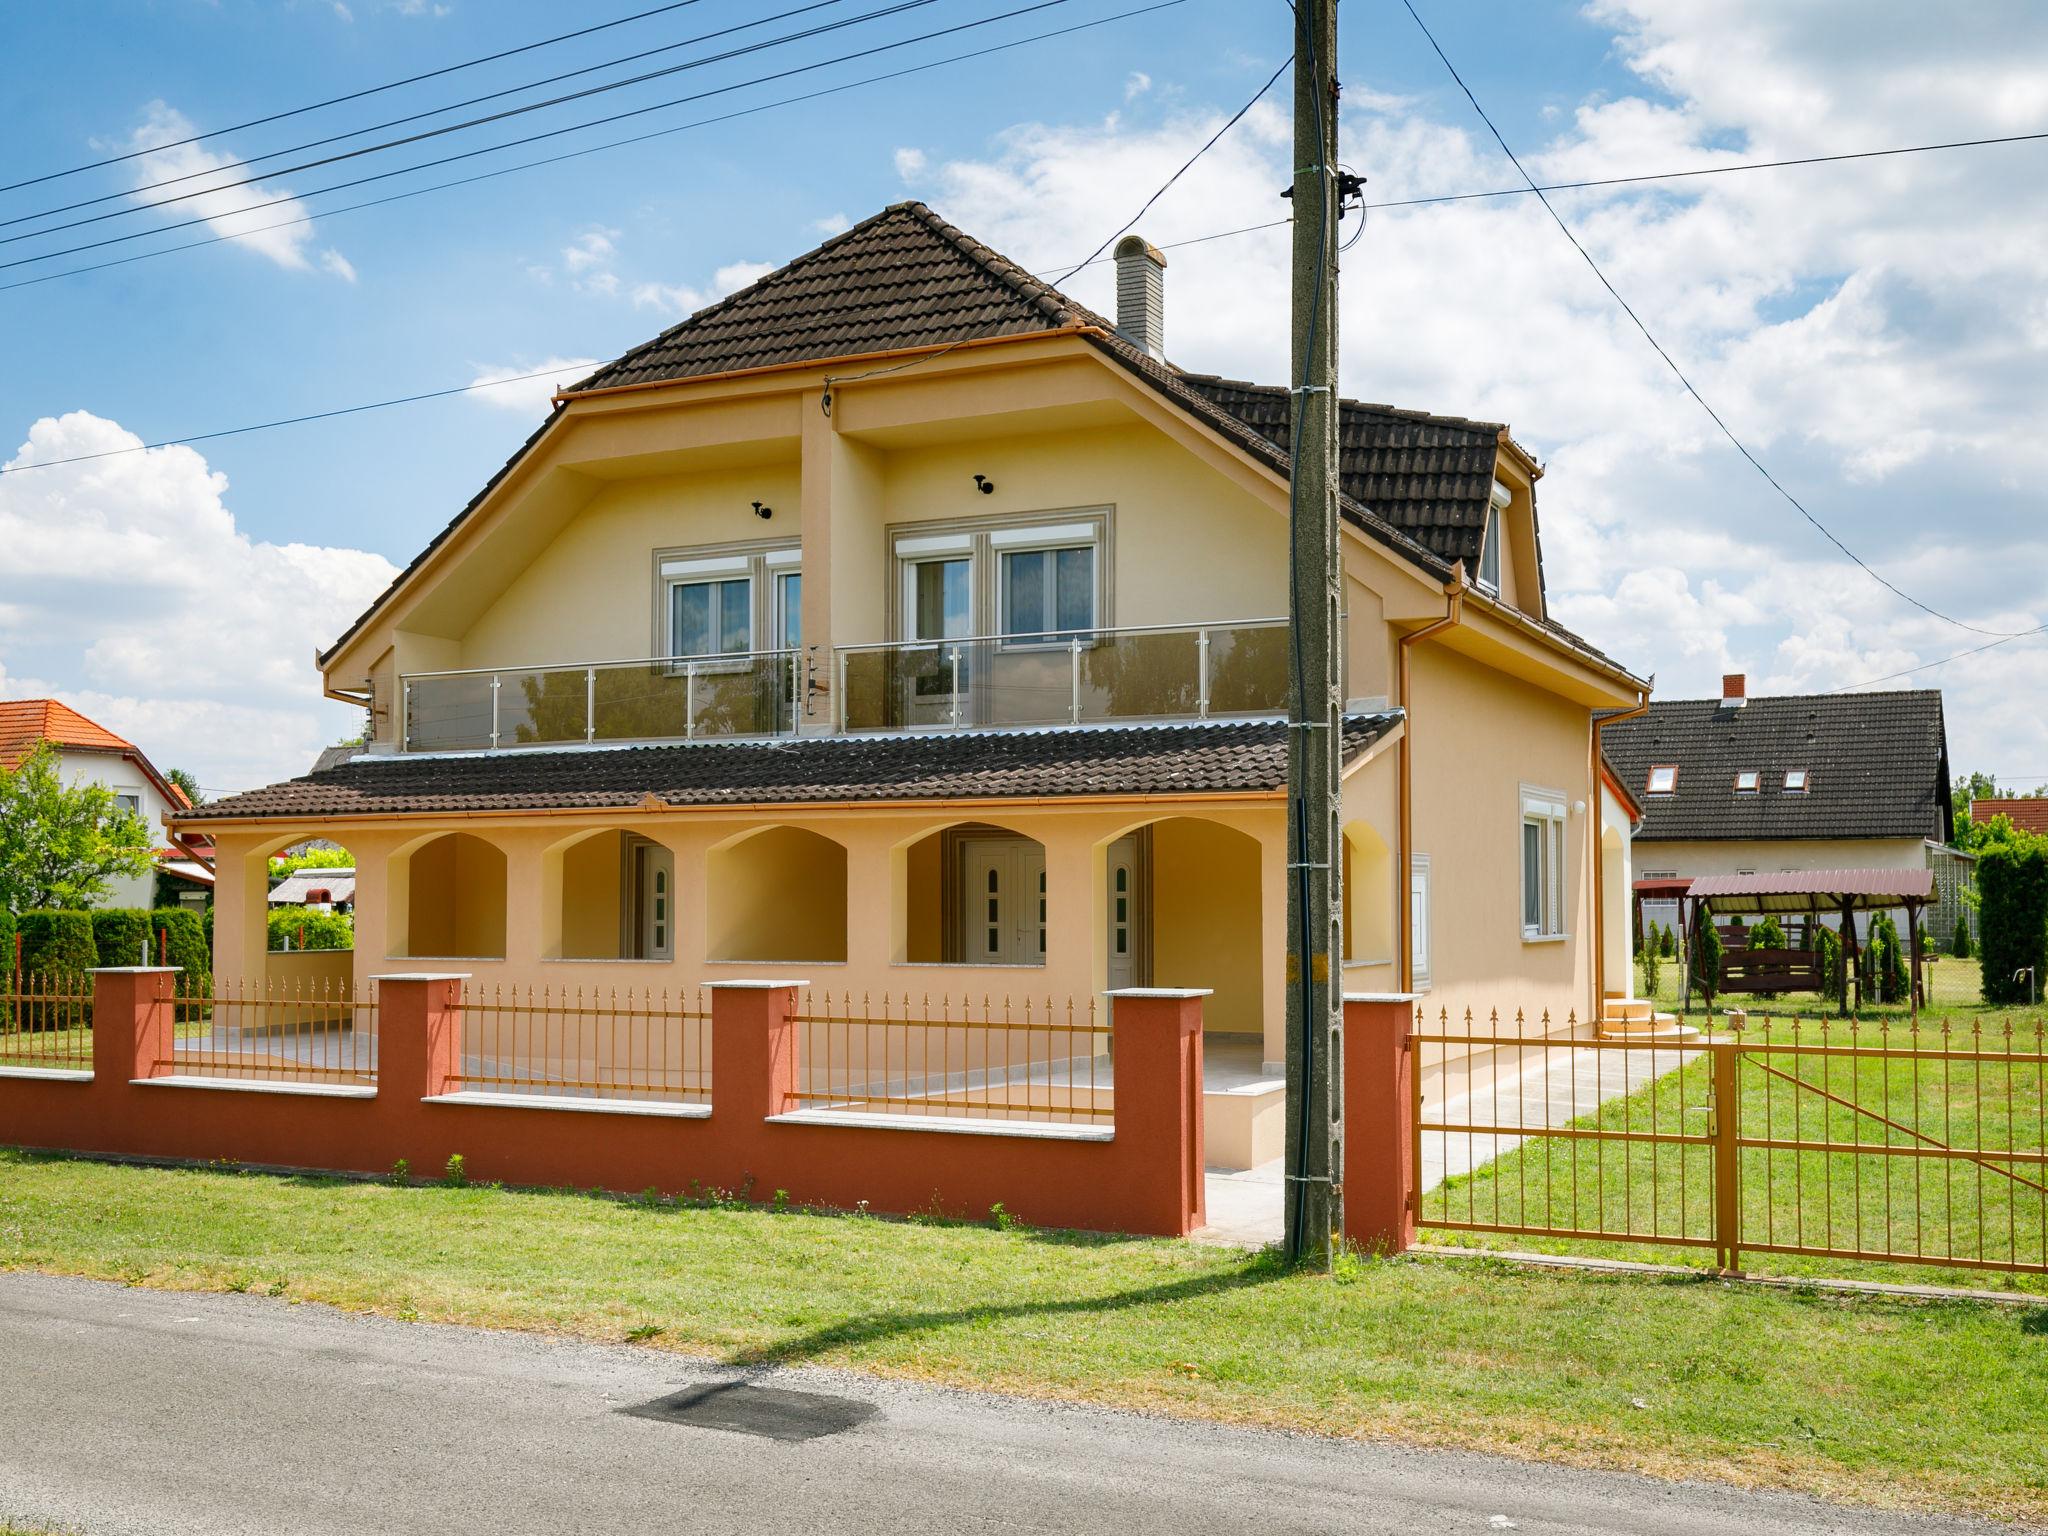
(1871, 328)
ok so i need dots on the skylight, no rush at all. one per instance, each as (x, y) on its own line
(1795, 781)
(1746, 781)
(1663, 779)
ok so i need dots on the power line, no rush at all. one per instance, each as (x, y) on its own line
(638, 138)
(335, 101)
(1713, 170)
(552, 133)
(414, 117)
(1928, 666)
(448, 128)
(1679, 373)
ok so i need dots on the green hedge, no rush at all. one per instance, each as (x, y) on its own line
(58, 945)
(182, 941)
(305, 928)
(122, 935)
(6, 966)
(2012, 919)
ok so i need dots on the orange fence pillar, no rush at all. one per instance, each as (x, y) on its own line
(1380, 1196)
(1156, 1035)
(754, 1061)
(419, 1034)
(133, 1021)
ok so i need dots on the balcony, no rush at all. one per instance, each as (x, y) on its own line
(1234, 670)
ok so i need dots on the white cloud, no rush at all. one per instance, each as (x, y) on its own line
(1876, 332)
(132, 594)
(1136, 84)
(530, 396)
(910, 163)
(832, 224)
(675, 299)
(226, 210)
(738, 274)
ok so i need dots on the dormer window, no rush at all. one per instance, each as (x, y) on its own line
(1795, 781)
(1490, 540)
(1747, 780)
(1663, 779)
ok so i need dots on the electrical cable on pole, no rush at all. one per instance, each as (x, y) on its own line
(1313, 1209)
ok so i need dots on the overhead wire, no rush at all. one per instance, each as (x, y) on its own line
(1679, 373)
(336, 101)
(468, 123)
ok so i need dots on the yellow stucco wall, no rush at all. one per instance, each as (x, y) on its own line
(1205, 919)
(778, 894)
(456, 890)
(591, 874)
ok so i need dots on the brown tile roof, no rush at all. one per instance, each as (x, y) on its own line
(905, 278)
(1225, 757)
(1876, 765)
(2028, 813)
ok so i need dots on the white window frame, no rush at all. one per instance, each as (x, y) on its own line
(1805, 781)
(759, 566)
(1418, 937)
(1755, 776)
(1650, 784)
(1487, 577)
(123, 795)
(982, 542)
(1548, 811)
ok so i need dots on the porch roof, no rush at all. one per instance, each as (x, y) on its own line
(1198, 758)
(1829, 890)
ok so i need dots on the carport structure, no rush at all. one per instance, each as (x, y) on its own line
(1811, 892)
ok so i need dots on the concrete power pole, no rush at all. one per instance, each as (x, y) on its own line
(1316, 706)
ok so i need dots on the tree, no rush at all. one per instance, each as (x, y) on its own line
(1960, 947)
(188, 784)
(62, 845)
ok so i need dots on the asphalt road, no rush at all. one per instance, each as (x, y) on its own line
(131, 1411)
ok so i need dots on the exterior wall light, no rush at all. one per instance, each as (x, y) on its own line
(764, 513)
(983, 484)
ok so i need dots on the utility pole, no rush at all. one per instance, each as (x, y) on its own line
(1315, 706)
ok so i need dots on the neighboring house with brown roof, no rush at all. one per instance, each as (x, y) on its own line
(89, 751)
(2027, 813)
(951, 616)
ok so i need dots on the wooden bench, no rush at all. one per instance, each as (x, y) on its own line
(1771, 970)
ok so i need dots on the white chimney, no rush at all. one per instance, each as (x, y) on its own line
(1141, 294)
(1734, 689)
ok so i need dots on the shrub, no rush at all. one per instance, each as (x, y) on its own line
(1652, 964)
(1768, 934)
(181, 940)
(2012, 918)
(1706, 962)
(58, 947)
(1667, 942)
(1959, 946)
(6, 966)
(1827, 954)
(305, 928)
(120, 935)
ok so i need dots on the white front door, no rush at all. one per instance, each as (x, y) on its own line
(1002, 901)
(1123, 913)
(654, 884)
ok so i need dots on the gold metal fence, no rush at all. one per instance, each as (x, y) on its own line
(1902, 1141)
(276, 1030)
(1031, 1061)
(564, 1043)
(46, 1021)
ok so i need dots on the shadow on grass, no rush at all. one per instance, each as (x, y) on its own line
(1258, 1269)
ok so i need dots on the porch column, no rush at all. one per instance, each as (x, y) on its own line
(1074, 940)
(871, 894)
(1273, 945)
(525, 872)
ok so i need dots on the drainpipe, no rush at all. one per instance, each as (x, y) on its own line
(1454, 613)
(1640, 707)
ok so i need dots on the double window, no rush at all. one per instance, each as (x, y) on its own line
(729, 604)
(1543, 864)
(1033, 582)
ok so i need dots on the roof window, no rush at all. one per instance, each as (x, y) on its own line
(1795, 781)
(1747, 780)
(1663, 779)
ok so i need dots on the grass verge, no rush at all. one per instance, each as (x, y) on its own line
(1932, 1406)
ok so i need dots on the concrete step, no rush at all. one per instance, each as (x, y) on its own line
(1657, 1026)
(1630, 1008)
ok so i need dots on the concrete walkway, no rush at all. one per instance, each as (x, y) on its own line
(151, 1413)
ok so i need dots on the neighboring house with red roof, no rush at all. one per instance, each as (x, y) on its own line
(2027, 813)
(88, 750)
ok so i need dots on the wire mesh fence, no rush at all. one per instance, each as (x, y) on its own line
(573, 1043)
(1033, 1061)
(276, 1030)
(46, 1021)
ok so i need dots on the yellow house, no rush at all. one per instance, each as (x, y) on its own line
(898, 624)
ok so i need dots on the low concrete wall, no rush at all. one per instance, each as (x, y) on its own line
(1140, 1174)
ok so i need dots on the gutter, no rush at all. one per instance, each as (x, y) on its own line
(1454, 613)
(1596, 759)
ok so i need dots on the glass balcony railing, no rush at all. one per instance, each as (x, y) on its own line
(1167, 672)
(667, 699)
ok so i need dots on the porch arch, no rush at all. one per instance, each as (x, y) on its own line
(776, 894)
(1198, 915)
(447, 897)
(940, 921)
(1368, 896)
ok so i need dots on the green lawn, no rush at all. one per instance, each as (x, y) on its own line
(1678, 1378)
(1955, 990)
(1941, 1207)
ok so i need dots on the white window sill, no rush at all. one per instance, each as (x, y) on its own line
(1545, 938)
(662, 1108)
(600, 960)
(1029, 1130)
(1355, 965)
(251, 1085)
(967, 965)
(47, 1074)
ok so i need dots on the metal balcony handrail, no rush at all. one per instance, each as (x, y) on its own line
(730, 657)
(1060, 634)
